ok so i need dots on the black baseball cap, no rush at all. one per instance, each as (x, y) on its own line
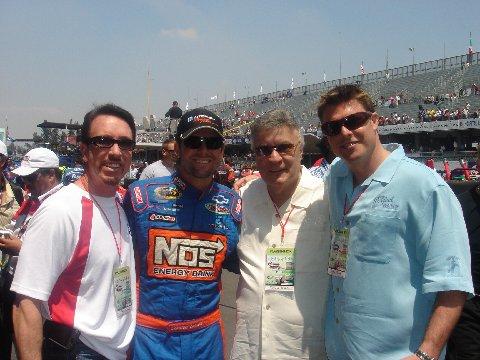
(196, 119)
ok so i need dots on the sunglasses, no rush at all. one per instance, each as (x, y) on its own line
(351, 122)
(281, 149)
(195, 142)
(106, 142)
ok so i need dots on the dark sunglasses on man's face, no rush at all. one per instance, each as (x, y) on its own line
(282, 149)
(106, 142)
(195, 142)
(351, 122)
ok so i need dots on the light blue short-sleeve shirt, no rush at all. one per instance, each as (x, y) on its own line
(407, 241)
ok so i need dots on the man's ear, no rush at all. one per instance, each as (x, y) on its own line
(374, 119)
(83, 151)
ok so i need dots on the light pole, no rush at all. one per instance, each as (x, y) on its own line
(412, 49)
(305, 76)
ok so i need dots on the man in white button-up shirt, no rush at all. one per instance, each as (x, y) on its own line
(283, 250)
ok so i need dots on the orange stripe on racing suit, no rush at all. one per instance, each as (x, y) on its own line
(178, 326)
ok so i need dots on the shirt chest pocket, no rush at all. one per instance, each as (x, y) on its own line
(373, 237)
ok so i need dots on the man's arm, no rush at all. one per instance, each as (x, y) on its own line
(28, 325)
(10, 244)
(446, 312)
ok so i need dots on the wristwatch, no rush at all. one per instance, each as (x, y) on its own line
(423, 356)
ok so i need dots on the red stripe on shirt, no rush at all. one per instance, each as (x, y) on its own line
(63, 299)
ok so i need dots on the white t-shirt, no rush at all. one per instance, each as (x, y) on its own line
(67, 260)
(154, 170)
(273, 324)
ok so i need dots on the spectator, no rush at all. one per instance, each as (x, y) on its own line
(76, 267)
(165, 166)
(394, 234)
(174, 113)
(283, 250)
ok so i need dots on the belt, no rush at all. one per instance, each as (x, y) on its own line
(178, 326)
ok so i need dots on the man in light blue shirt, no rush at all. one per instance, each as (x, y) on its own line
(399, 257)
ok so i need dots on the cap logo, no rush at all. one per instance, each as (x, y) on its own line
(203, 119)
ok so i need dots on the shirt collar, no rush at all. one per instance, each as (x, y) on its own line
(302, 196)
(50, 192)
(384, 172)
(388, 167)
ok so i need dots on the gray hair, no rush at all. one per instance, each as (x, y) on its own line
(274, 119)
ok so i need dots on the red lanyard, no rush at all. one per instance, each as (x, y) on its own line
(279, 217)
(346, 208)
(118, 246)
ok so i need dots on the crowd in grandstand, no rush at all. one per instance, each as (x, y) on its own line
(442, 114)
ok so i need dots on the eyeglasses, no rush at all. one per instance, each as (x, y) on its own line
(106, 142)
(195, 142)
(281, 149)
(351, 122)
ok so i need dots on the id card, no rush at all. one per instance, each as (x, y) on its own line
(280, 269)
(337, 262)
(122, 290)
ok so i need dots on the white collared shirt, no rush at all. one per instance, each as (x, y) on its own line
(283, 325)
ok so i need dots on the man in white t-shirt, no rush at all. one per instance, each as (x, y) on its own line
(40, 173)
(76, 265)
(283, 250)
(165, 166)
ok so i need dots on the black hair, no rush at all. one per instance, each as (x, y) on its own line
(106, 109)
(57, 171)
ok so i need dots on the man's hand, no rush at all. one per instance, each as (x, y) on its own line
(10, 244)
(446, 312)
(28, 325)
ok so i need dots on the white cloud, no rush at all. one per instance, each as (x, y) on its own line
(189, 33)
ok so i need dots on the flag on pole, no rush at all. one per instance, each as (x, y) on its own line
(261, 89)
(324, 77)
(411, 49)
(362, 69)
(214, 97)
(291, 85)
(186, 106)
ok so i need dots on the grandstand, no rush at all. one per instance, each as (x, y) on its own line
(432, 106)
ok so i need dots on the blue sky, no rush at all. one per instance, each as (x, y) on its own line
(58, 58)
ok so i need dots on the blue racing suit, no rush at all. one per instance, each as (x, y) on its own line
(182, 238)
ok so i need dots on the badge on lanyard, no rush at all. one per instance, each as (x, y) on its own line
(337, 262)
(280, 269)
(122, 290)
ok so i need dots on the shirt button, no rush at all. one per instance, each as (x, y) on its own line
(274, 246)
(267, 307)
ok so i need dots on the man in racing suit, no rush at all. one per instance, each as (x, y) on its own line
(185, 228)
